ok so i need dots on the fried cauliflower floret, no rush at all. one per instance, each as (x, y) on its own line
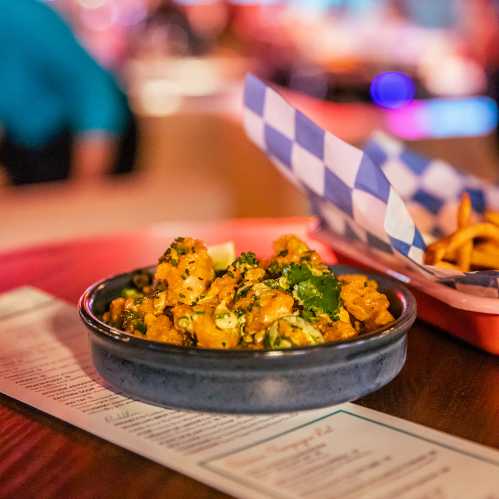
(146, 305)
(254, 275)
(185, 270)
(222, 289)
(290, 249)
(262, 306)
(335, 330)
(183, 317)
(243, 272)
(211, 326)
(160, 329)
(217, 328)
(246, 268)
(339, 330)
(115, 310)
(272, 305)
(209, 335)
(292, 331)
(364, 302)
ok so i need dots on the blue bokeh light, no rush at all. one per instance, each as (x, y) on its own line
(392, 90)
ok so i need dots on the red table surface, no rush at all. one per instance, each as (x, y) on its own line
(66, 268)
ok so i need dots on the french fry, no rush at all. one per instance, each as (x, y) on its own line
(492, 217)
(446, 265)
(463, 220)
(464, 211)
(484, 255)
(483, 230)
(487, 247)
(471, 246)
(485, 259)
(435, 252)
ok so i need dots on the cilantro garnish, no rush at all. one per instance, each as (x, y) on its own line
(320, 294)
(296, 273)
(316, 294)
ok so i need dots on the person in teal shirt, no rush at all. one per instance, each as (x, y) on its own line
(61, 113)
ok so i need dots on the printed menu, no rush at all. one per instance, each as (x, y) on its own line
(340, 452)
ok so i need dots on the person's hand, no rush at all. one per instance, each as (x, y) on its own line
(92, 155)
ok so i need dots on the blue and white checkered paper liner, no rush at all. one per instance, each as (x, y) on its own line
(430, 188)
(348, 190)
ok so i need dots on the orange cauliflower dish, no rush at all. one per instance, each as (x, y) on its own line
(289, 300)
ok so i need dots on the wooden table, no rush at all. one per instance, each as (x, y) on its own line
(445, 384)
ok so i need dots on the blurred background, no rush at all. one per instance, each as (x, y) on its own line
(120, 113)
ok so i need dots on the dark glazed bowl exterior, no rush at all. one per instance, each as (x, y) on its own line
(247, 381)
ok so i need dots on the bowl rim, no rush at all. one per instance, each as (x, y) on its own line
(394, 329)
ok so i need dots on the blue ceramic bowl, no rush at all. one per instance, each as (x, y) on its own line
(247, 381)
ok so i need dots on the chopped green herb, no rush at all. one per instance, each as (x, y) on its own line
(133, 321)
(319, 294)
(296, 273)
(248, 258)
(141, 327)
(141, 279)
(242, 292)
(272, 283)
(226, 320)
(274, 269)
(308, 315)
(130, 315)
(130, 293)
(274, 338)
